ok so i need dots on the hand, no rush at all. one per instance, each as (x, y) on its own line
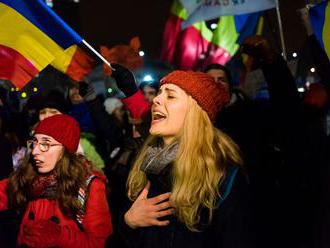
(259, 48)
(145, 212)
(125, 80)
(87, 91)
(41, 233)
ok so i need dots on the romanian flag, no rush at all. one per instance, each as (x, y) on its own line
(31, 37)
(320, 19)
(196, 46)
(74, 62)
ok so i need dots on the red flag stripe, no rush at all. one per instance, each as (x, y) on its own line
(15, 67)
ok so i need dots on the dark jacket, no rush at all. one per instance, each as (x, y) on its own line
(232, 224)
(6, 162)
(283, 146)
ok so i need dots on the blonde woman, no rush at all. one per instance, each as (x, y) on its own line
(186, 186)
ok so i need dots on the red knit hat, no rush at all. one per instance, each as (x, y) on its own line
(63, 128)
(210, 95)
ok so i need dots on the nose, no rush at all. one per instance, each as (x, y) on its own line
(35, 150)
(157, 100)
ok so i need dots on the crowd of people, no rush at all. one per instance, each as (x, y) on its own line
(187, 161)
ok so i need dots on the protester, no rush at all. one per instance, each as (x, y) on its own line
(54, 103)
(61, 196)
(187, 186)
(149, 89)
(221, 74)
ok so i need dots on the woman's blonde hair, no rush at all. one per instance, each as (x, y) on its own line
(200, 166)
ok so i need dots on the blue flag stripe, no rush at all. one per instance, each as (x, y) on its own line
(246, 25)
(317, 18)
(38, 13)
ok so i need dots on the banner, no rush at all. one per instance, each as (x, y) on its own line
(202, 10)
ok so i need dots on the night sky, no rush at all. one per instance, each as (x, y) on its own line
(109, 22)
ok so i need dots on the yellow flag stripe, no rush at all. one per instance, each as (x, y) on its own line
(21, 35)
(326, 30)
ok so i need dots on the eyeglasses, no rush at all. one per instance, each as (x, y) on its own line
(43, 146)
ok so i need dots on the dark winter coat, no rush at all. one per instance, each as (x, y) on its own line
(231, 227)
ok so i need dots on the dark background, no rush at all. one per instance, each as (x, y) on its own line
(113, 22)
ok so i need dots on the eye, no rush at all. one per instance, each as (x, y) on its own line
(170, 97)
(44, 146)
(31, 143)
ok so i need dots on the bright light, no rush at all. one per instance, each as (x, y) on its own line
(110, 90)
(141, 53)
(76, 1)
(301, 89)
(35, 89)
(308, 84)
(312, 69)
(148, 78)
(214, 26)
(12, 89)
(16, 89)
(50, 3)
(23, 95)
(294, 55)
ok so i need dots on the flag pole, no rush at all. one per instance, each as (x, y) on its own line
(97, 54)
(280, 29)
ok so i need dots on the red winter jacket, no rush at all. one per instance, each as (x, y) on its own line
(137, 105)
(96, 223)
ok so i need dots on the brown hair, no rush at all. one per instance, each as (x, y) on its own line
(71, 171)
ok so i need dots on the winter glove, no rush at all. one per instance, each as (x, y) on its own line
(87, 91)
(125, 80)
(259, 48)
(42, 233)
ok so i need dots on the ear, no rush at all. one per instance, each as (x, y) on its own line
(135, 43)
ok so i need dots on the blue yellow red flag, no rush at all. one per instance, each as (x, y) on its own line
(31, 37)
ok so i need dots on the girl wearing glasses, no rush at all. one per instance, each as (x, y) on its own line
(61, 197)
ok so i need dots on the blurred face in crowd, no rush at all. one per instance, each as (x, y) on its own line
(74, 96)
(48, 112)
(218, 75)
(119, 112)
(168, 112)
(46, 152)
(149, 93)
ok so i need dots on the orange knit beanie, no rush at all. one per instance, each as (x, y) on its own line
(210, 95)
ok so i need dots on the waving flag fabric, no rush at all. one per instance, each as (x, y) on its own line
(203, 10)
(320, 19)
(197, 45)
(31, 37)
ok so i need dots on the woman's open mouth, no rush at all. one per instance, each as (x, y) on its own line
(157, 117)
